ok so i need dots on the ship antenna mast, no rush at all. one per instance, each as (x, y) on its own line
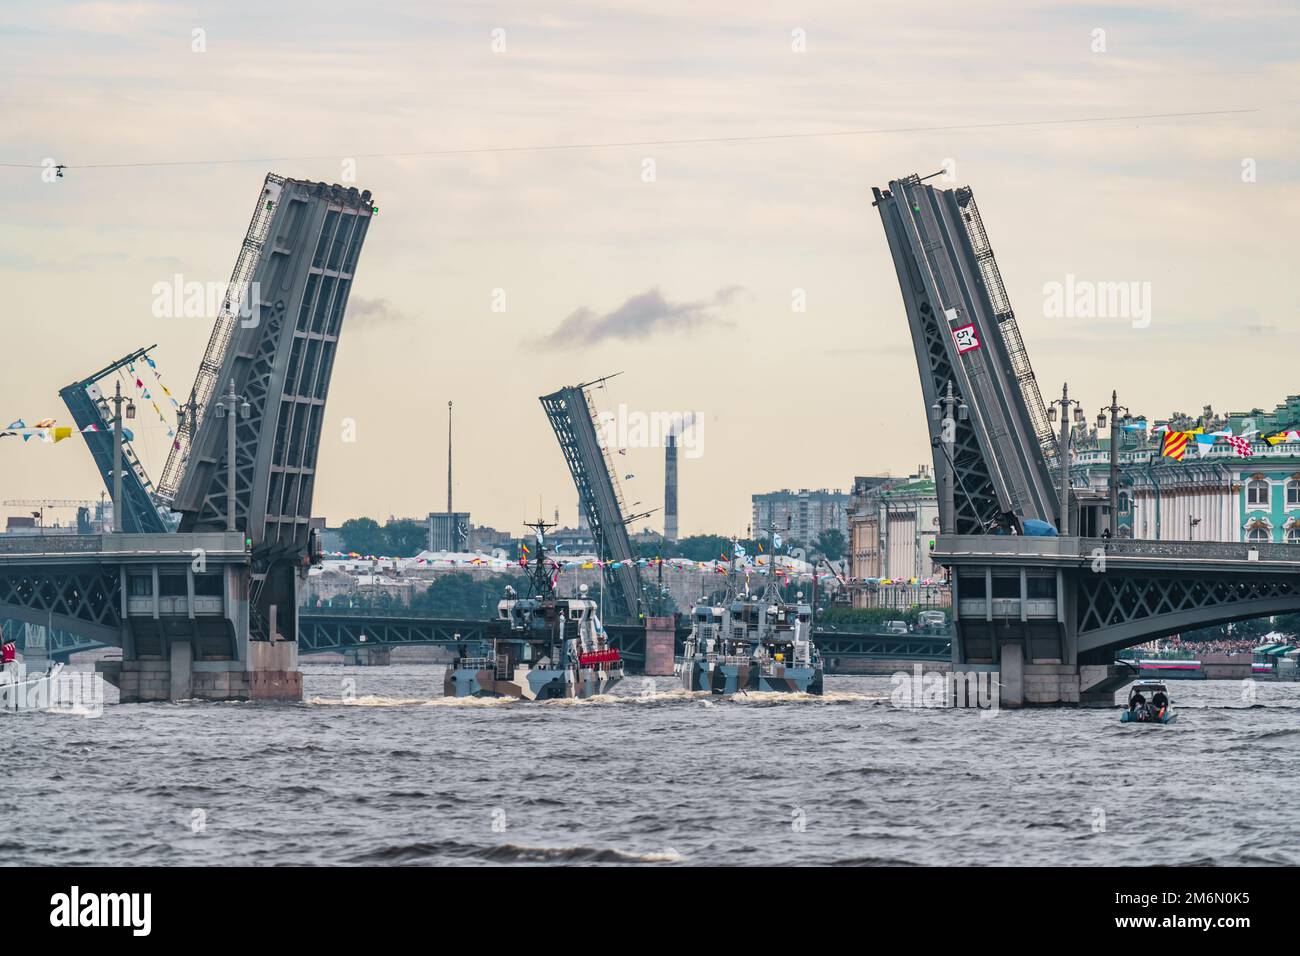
(772, 587)
(539, 577)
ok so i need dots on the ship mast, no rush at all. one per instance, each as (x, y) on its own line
(772, 589)
(539, 577)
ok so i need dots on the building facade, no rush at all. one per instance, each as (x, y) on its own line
(801, 515)
(448, 531)
(1215, 496)
(892, 526)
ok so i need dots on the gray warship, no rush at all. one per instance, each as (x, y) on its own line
(540, 647)
(751, 642)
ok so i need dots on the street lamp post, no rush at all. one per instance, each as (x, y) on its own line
(231, 407)
(1064, 402)
(117, 453)
(1113, 480)
(946, 416)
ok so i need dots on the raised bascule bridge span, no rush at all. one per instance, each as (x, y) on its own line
(211, 609)
(1046, 613)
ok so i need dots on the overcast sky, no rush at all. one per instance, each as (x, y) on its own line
(685, 283)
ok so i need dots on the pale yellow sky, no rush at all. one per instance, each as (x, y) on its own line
(788, 399)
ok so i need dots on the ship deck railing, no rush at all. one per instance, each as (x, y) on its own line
(484, 662)
(730, 659)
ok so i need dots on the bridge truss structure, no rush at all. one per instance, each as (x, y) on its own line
(91, 408)
(965, 332)
(573, 419)
(276, 341)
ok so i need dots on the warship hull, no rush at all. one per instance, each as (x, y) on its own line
(791, 680)
(716, 677)
(723, 677)
(530, 684)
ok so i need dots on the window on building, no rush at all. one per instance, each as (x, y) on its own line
(1257, 492)
(172, 585)
(140, 585)
(1125, 502)
(208, 585)
(1041, 587)
(1293, 535)
(1258, 536)
(1293, 493)
(1006, 587)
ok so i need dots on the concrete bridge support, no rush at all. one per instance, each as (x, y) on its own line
(269, 673)
(368, 656)
(660, 637)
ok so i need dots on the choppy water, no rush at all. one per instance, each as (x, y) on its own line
(395, 775)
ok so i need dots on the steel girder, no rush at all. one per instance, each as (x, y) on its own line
(923, 647)
(81, 598)
(1118, 609)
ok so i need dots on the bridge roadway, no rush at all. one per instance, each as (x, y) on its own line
(97, 585)
(1120, 592)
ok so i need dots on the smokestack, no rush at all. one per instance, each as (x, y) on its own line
(670, 488)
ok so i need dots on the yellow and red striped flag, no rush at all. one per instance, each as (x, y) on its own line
(1175, 443)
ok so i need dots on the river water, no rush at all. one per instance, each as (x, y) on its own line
(376, 768)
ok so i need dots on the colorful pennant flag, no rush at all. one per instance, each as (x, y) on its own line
(1174, 445)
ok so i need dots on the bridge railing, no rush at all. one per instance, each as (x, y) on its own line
(50, 543)
(1223, 550)
(1001, 545)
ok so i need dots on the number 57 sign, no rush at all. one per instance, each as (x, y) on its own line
(965, 338)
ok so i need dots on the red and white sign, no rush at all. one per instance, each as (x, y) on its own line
(966, 339)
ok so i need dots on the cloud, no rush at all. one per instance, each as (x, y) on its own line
(370, 312)
(640, 317)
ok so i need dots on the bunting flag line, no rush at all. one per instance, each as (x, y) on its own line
(148, 395)
(1241, 446)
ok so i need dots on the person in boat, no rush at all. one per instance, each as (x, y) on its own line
(1137, 704)
(1159, 702)
(8, 651)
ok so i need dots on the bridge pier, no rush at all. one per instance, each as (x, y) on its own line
(270, 672)
(368, 656)
(660, 645)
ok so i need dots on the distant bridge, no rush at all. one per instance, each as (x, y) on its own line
(340, 630)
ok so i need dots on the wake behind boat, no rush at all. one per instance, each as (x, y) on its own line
(23, 690)
(542, 647)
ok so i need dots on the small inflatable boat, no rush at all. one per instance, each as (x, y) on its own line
(1148, 703)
